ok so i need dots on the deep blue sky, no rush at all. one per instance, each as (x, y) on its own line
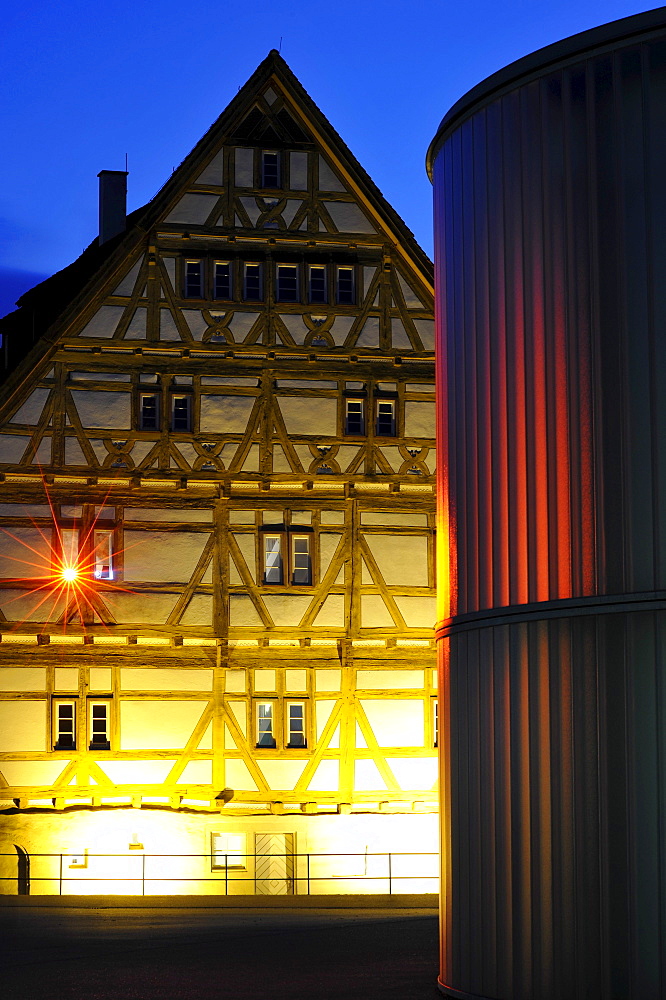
(85, 83)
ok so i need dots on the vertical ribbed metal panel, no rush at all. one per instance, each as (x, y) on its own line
(550, 209)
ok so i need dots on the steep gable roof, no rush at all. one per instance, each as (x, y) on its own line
(247, 120)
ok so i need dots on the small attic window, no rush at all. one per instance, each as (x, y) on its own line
(270, 169)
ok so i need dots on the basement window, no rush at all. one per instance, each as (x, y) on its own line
(228, 850)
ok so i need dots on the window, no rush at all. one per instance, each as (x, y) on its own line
(295, 735)
(273, 559)
(265, 724)
(270, 169)
(385, 426)
(222, 285)
(103, 555)
(69, 539)
(435, 722)
(287, 283)
(354, 416)
(227, 850)
(181, 413)
(317, 290)
(345, 285)
(98, 716)
(149, 411)
(252, 283)
(64, 725)
(193, 279)
(301, 562)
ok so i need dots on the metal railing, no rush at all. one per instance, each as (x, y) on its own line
(389, 873)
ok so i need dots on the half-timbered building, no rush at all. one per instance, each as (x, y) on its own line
(216, 531)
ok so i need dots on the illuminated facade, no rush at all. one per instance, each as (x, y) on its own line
(217, 521)
(551, 263)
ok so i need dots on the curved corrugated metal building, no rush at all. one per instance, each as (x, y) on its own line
(550, 208)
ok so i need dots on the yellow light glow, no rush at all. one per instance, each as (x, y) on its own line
(69, 574)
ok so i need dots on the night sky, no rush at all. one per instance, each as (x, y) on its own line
(84, 84)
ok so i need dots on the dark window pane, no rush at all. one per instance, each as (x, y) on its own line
(193, 279)
(287, 283)
(270, 170)
(252, 289)
(317, 290)
(223, 288)
(346, 285)
(181, 413)
(149, 416)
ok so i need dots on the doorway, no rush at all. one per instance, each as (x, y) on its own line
(274, 864)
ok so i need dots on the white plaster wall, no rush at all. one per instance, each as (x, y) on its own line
(388, 680)
(395, 723)
(374, 613)
(161, 556)
(158, 679)
(25, 552)
(104, 323)
(106, 410)
(147, 609)
(415, 773)
(309, 414)
(22, 725)
(394, 518)
(12, 447)
(419, 419)
(348, 217)
(22, 679)
(158, 725)
(327, 680)
(244, 167)
(193, 207)
(213, 172)
(287, 609)
(418, 612)
(225, 414)
(402, 559)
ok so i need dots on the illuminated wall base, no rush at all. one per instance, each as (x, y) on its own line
(554, 871)
(151, 851)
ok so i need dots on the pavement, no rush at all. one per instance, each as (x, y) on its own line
(55, 952)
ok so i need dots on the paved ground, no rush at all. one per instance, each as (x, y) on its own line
(188, 954)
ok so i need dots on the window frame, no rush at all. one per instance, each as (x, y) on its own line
(95, 559)
(92, 704)
(187, 292)
(258, 704)
(229, 264)
(324, 269)
(176, 394)
(393, 403)
(350, 400)
(56, 733)
(143, 426)
(280, 536)
(295, 536)
(227, 855)
(263, 172)
(288, 703)
(280, 290)
(341, 298)
(260, 273)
